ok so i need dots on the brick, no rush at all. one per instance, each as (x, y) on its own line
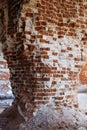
(62, 28)
(55, 53)
(47, 49)
(45, 56)
(70, 55)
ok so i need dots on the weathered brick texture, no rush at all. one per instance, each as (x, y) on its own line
(4, 78)
(43, 44)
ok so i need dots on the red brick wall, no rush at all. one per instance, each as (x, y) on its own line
(45, 42)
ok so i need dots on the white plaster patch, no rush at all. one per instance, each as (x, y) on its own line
(28, 26)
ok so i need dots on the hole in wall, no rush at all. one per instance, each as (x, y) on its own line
(6, 96)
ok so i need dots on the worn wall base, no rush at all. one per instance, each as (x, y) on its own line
(45, 119)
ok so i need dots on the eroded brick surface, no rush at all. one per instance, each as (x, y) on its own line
(6, 96)
(44, 43)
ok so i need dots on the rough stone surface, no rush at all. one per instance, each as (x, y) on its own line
(48, 119)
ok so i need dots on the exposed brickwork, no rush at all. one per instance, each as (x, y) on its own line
(44, 49)
(4, 78)
(52, 40)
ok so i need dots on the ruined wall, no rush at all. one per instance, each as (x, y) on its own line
(5, 87)
(4, 77)
(44, 46)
